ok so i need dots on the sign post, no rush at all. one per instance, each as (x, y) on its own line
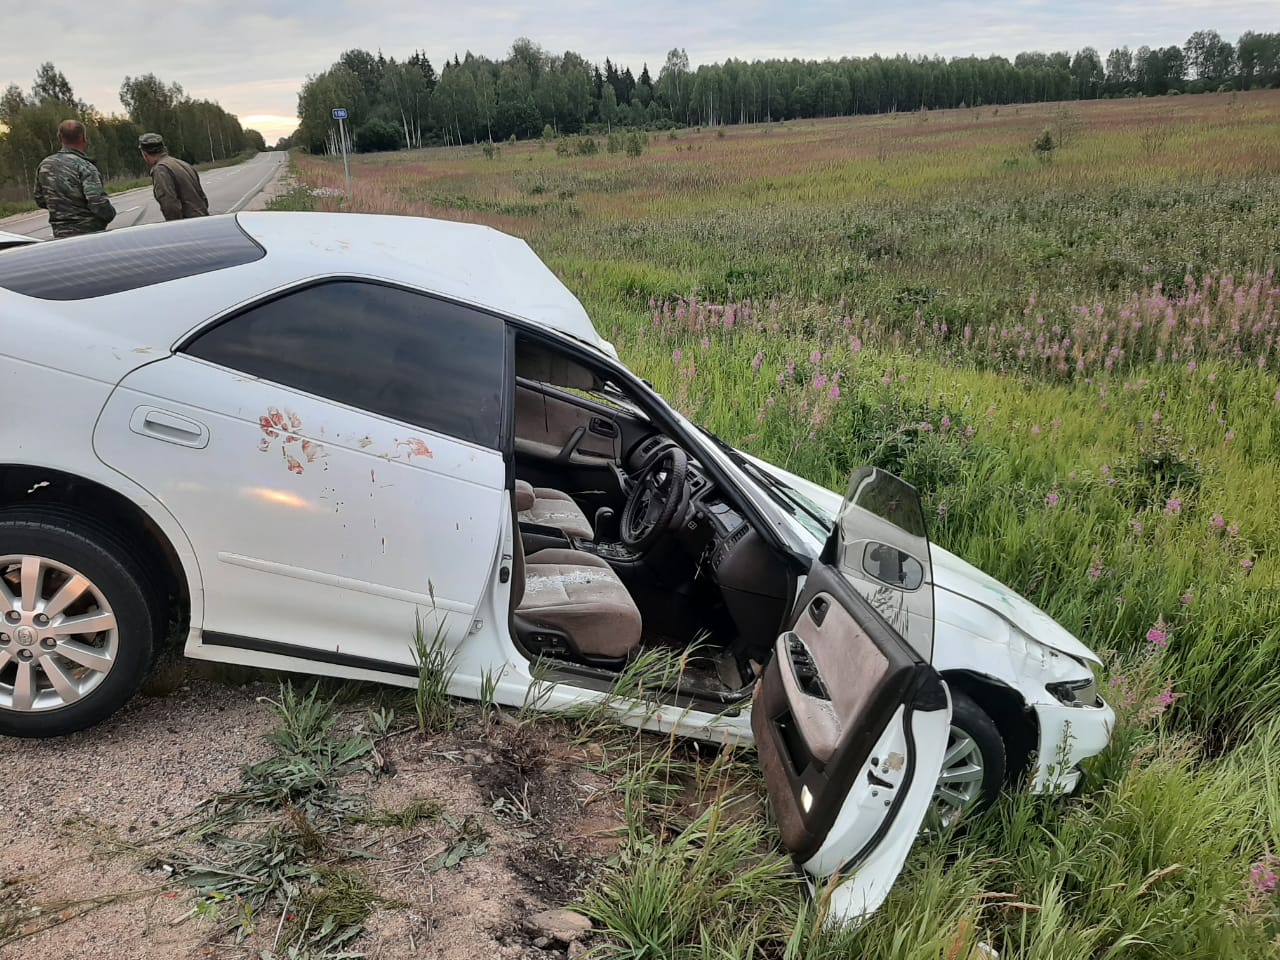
(340, 114)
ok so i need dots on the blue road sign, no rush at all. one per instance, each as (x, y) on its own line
(339, 113)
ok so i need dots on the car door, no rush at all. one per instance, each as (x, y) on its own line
(850, 721)
(333, 455)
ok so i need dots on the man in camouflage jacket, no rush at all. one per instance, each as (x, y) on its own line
(69, 186)
(174, 182)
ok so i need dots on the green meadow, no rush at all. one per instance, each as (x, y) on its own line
(1075, 353)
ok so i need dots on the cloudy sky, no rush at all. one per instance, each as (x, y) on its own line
(252, 55)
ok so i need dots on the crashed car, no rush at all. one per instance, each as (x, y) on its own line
(293, 434)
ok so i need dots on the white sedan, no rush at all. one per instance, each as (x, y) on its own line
(292, 434)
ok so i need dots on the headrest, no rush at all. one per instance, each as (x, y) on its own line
(524, 496)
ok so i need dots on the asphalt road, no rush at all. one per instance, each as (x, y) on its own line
(228, 190)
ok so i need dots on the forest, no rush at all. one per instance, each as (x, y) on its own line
(198, 131)
(533, 92)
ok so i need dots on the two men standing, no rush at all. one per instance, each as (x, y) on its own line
(69, 186)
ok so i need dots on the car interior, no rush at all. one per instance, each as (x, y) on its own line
(626, 544)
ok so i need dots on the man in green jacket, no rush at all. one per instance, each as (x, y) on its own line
(69, 186)
(174, 182)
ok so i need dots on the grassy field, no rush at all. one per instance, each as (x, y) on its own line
(1075, 355)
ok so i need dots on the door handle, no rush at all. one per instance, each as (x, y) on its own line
(170, 427)
(603, 427)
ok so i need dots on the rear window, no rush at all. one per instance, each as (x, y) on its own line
(78, 268)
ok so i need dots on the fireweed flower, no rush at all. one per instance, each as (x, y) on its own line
(1136, 525)
(1187, 599)
(969, 432)
(944, 424)
(676, 355)
(1051, 500)
(1217, 523)
(1158, 636)
(834, 392)
(1096, 569)
(756, 361)
(815, 358)
(1233, 530)
(1263, 878)
(1246, 564)
(1173, 508)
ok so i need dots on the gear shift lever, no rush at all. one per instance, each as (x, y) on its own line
(603, 515)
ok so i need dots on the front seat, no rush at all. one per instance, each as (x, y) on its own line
(551, 508)
(573, 597)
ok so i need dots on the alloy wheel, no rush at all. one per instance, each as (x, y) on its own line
(58, 635)
(960, 781)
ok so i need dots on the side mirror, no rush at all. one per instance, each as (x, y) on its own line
(892, 566)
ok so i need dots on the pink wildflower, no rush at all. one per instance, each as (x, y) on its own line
(1173, 507)
(756, 361)
(1051, 500)
(1158, 636)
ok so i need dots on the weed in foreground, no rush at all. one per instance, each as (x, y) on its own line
(435, 672)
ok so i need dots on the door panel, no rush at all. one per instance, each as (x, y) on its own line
(314, 524)
(884, 552)
(549, 427)
(850, 726)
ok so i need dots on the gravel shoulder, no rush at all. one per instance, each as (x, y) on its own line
(80, 876)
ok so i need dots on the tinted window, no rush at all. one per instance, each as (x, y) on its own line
(404, 355)
(81, 267)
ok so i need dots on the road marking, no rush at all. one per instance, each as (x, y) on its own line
(255, 191)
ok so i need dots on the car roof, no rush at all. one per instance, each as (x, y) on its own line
(468, 262)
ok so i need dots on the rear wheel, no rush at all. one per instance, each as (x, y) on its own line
(77, 627)
(973, 767)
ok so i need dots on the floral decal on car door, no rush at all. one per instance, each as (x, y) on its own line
(275, 425)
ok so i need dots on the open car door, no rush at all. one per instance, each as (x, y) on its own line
(850, 720)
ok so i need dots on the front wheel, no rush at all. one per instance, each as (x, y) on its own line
(77, 627)
(973, 767)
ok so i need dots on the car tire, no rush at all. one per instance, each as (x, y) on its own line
(74, 667)
(973, 772)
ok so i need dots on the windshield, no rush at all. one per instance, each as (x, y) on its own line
(808, 514)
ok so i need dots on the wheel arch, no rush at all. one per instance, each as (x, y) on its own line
(1007, 709)
(28, 485)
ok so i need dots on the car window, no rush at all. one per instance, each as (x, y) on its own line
(428, 362)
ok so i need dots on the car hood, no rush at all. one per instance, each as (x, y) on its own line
(953, 575)
(956, 580)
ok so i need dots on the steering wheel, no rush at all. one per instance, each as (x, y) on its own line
(654, 500)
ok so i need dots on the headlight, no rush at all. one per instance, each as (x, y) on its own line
(1076, 693)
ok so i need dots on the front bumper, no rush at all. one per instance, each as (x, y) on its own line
(1068, 736)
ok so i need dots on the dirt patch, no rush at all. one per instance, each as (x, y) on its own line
(466, 834)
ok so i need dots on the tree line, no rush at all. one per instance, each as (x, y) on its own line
(394, 104)
(198, 131)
